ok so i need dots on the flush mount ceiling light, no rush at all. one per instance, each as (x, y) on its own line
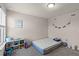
(50, 5)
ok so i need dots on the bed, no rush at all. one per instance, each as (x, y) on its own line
(45, 45)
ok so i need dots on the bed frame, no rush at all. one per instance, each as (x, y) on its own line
(50, 49)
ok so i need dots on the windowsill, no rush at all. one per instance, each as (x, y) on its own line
(2, 46)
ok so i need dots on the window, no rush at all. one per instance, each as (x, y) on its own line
(2, 26)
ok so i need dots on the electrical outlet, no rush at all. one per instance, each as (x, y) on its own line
(70, 47)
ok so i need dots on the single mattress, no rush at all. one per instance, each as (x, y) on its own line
(44, 44)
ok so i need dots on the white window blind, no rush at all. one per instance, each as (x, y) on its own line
(2, 26)
(2, 17)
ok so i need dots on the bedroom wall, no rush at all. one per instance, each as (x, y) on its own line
(70, 33)
(33, 27)
(3, 7)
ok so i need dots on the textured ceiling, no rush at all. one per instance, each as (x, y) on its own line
(40, 9)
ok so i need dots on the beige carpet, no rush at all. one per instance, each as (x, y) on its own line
(61, 51)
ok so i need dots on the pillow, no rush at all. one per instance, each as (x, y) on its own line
(57, 39)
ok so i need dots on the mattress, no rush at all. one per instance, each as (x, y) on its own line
(44, 44)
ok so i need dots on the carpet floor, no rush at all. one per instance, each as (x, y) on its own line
(61, 51)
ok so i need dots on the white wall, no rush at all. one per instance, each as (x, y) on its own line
(70, 33)
(34, 27)
(3, 7)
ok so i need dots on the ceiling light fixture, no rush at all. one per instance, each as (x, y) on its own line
(50, 5)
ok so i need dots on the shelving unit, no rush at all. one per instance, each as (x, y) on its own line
(21, 44)
(11, 46)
